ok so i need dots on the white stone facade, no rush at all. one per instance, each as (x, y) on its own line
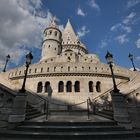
(72, 74)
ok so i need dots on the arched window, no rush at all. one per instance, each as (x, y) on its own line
(98, 86)
(19, 72)
(69, 86)
(29, 70)
(55, 33)
(50, 32)
(54, 69)
(61, 86)
(47, 84)
(39, 87)
(69, 68)
(77, 86)
(41, 69)
(61, 69)
(35, 70)
(90, 85)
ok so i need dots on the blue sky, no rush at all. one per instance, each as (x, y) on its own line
(101, 25)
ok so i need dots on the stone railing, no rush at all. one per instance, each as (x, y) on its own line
(7, 97)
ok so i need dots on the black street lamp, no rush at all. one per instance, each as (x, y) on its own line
(131, 58)
(29, 57)
(109, 58)
(7, 59)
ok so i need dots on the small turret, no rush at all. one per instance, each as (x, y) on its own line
(52, 42)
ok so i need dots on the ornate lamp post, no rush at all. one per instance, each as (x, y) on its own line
(109, 58)
(29, 57)
(78, 44)
(131, 58)
(7, 59)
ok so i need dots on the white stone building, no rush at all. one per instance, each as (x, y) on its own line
(69, 73)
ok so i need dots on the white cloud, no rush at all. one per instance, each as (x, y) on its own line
(127, 29)
(83, 31)
(21, 24)
(121, 27)
(94, 5)
(115, 27)
(122, 39)
(138, 43)
(132, 3)
(138, 58)
(80, 12)
(129, 18)
(103, 44)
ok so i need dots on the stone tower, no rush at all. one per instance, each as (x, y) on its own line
(52, 42)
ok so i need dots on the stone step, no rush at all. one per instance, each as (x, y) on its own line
(105, 115)
(109, 112)
(66, 135)
(28, 117)
(65, 123)
(30, 109)
(32, 112)
(70, 128)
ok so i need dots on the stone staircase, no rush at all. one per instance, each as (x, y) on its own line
(67, 130)
(105, 113)
(32, 112)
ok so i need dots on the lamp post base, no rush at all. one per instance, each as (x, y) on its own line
(22, 90)
(120, 111)
(19, 109)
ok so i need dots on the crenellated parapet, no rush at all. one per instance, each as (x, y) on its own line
(69, 69)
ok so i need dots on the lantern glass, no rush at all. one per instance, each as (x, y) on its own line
(29, 57)
(130, 56)
(8, 57)
(109, 58)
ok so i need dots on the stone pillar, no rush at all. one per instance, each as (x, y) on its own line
(121, 115)
(43, 88)
(72, 89)
(19, 109)
(65, 88)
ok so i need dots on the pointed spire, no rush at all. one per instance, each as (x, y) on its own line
(69, 34)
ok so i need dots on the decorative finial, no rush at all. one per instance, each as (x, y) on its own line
(53, 22)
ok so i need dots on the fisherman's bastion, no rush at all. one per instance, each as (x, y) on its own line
(66, 68)
(67, 76)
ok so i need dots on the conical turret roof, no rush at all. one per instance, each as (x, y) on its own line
(69, 35)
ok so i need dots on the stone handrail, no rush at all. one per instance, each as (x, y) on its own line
(8, 90)
(7, 99)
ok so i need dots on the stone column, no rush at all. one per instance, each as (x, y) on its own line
(120, 111)
(43, 88)
(72, 89)
(65, 88)
(19, 109)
